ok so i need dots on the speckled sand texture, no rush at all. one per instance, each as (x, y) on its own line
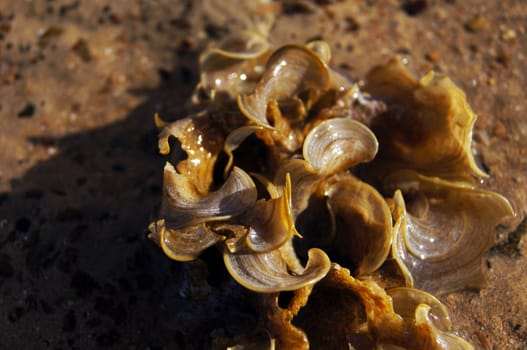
(80, 177)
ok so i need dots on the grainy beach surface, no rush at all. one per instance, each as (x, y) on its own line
(80, 176)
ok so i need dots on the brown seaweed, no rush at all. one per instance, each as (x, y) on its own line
(415, 200)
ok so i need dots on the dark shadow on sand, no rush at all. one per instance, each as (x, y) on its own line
(76, 268)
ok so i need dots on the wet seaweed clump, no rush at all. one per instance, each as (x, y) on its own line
(355, 206)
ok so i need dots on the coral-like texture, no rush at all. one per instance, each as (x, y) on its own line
(341, 178)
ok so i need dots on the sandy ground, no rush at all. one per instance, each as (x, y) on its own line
(80, 178)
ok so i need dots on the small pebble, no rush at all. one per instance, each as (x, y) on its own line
(508, 34)
(476, 23)
(433, 56)
(503, 58)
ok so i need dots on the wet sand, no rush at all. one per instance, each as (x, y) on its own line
(80, 177)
